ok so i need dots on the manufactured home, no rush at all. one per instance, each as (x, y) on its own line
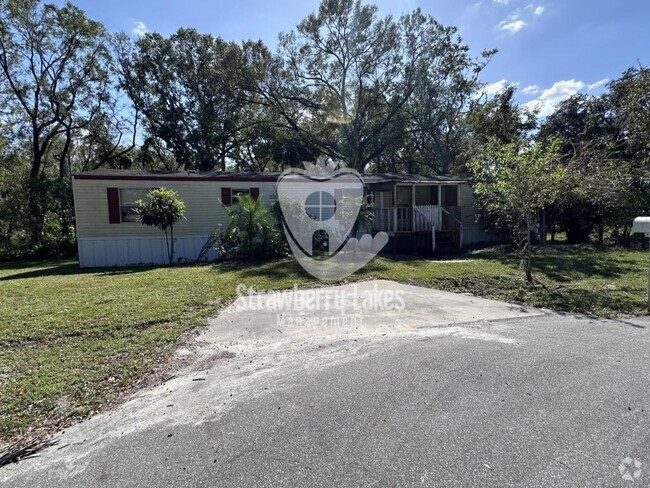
(419, 213)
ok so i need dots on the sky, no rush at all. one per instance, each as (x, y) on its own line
(551, 49)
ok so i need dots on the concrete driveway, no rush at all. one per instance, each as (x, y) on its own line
(437, 389)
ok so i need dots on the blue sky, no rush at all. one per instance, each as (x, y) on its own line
(550, 48)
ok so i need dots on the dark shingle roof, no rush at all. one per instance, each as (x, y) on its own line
(128, 174)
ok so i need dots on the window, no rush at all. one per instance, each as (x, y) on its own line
(320, 206)
(236, 193)
(450, 196)
(128, 197)
(383, 199)
(403, 196)
(426, 195)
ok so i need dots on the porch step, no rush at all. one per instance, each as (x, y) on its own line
(445, 244)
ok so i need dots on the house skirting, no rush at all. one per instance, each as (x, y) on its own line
(96, 252)
(477, 235)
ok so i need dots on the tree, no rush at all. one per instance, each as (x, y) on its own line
(162, 209)
(629, 99)
(54, 82)
(500, 118)
(595, 188)
(605, 150)
(193, 91)
(53, 60)
(629, 102)
(354, 85)
(514, 182)
(445, 92)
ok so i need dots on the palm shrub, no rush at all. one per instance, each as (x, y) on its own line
(252, 232)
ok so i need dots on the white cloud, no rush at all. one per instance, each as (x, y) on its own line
(537, 10)
(598, 84)
(502, 2)
(512, 25)
(531, 90)
(140, 29)
(551, 97)
(495, 88)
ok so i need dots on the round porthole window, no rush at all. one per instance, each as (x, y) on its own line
(320, 206)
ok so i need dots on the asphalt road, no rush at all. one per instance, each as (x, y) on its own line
(539, 401)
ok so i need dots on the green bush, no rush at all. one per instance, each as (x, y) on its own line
(36, 216)
(253, 232)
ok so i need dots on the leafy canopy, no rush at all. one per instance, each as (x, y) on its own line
(514, 182)
(162, 208)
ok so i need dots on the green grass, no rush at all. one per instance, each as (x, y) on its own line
(72, 341)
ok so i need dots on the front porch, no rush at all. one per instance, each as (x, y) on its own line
(424, 216)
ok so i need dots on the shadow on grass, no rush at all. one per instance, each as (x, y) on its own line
(58, 268)
(280, 269)
(564, 263)
(44, 268)
(590, 302)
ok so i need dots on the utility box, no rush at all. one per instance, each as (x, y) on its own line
(641, 225)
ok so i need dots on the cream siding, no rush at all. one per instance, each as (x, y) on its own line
(467, 205)
(203, 212)
(473, 231)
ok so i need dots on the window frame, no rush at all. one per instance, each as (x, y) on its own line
(130, 205)
(235, 193)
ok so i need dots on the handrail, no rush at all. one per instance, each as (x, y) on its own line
(454, 225)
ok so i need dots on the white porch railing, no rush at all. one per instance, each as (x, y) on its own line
(401, 219)
(431, 213)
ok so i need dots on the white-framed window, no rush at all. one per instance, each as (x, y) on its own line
(128, 197)
(238, 192)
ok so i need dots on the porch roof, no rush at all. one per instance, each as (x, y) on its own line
(383, 178)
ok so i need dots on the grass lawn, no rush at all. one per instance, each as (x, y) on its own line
(72, 341)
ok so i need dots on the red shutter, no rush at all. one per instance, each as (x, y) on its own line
(255, 193)
(226, 196)
(113, 205)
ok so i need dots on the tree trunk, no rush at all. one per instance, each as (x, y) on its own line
(554, 227)
(169, 256)
(35, 217)
(528, 252)
(601, 234)
(63, 157)
(171, 252)
(37, 157)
